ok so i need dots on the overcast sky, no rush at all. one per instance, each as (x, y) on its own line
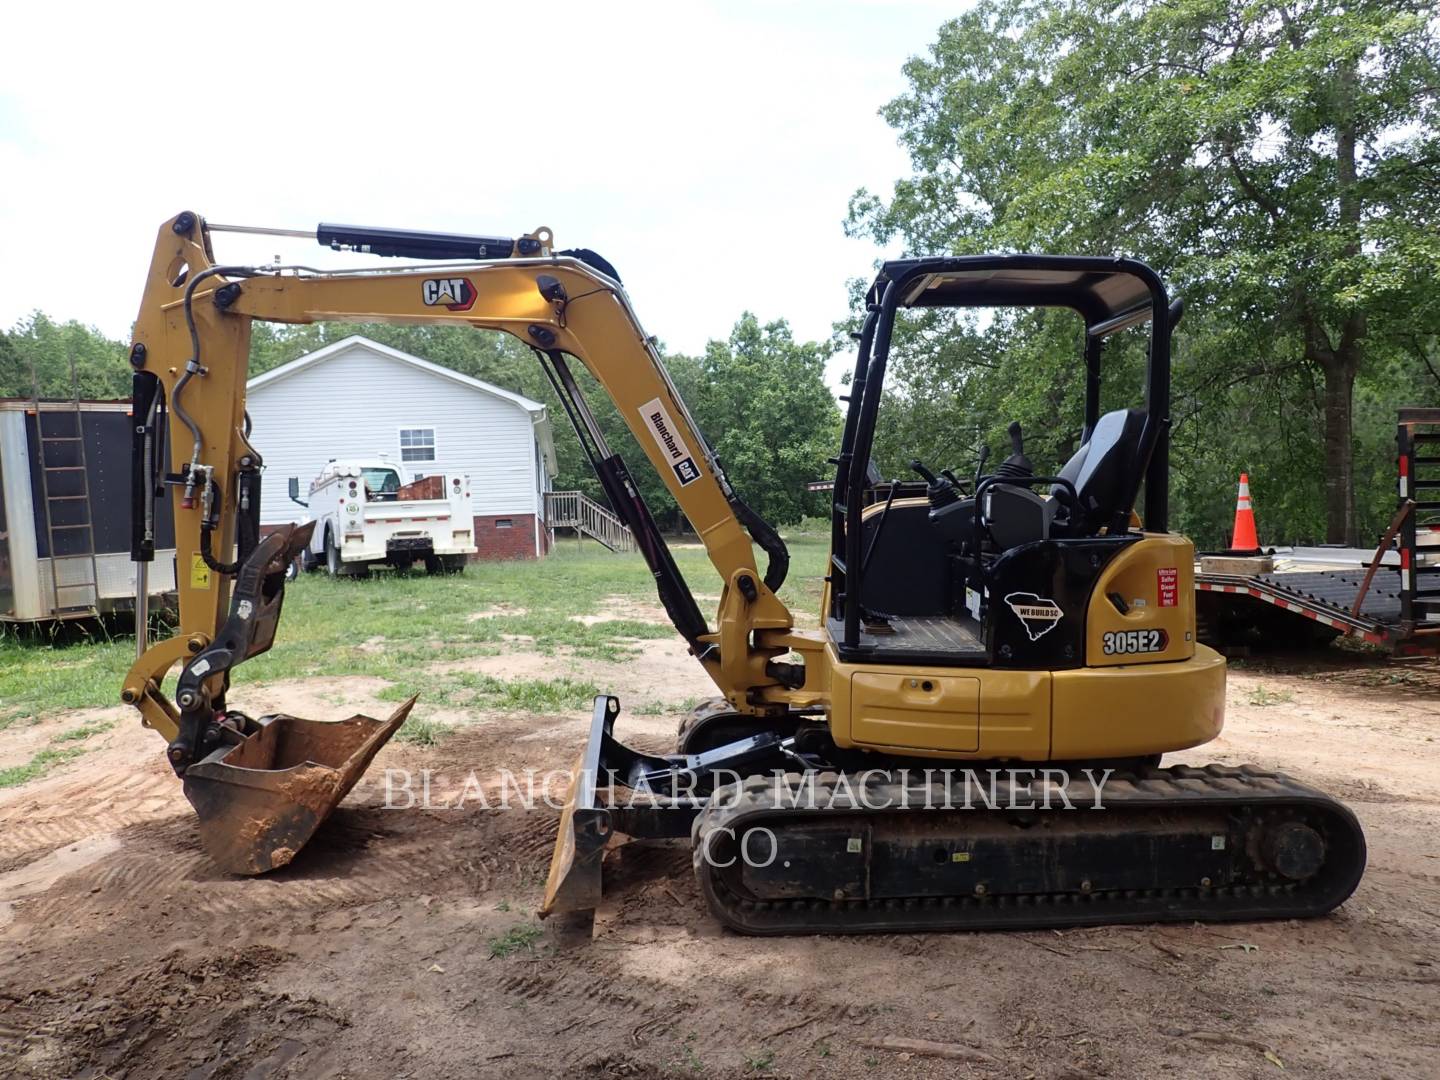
(707, 150)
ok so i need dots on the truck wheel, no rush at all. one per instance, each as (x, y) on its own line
(292, 569)
(452, 564)
(333, 565)
(433, 565)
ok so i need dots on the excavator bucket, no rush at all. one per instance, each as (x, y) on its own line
(260, 800)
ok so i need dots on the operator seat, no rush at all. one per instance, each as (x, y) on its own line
(1098, 471)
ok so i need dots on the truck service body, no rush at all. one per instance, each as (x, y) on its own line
(368, 513)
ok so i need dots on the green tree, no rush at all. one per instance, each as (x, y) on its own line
(40, 347)
(1279, 163)
(762, 402)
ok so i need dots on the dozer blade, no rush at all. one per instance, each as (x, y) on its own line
(260, 801)
(594, 822)
(585, 827)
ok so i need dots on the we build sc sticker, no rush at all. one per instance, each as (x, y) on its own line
(667, 437)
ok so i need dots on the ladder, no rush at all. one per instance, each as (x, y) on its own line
(65, 502)
(575, 510)
(1418, 442)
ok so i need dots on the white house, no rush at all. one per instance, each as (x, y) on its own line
(358, 398)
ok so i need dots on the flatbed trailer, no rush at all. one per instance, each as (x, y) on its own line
(1388, 597)
(1324, 598)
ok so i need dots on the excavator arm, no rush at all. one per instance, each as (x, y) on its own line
(192, 443)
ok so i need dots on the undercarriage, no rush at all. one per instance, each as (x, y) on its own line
(782, 843)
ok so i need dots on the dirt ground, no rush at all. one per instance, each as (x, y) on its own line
(403, 943)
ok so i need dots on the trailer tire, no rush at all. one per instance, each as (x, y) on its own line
(452, 564)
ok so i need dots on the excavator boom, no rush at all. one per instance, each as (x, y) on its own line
(262, 786)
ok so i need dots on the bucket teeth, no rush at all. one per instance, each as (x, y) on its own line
(260, 801)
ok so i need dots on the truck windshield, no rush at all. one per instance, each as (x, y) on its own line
(380, 483)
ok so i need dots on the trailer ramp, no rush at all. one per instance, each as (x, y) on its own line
(1326, 598)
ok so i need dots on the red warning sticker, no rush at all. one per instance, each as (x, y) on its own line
(1167, 580)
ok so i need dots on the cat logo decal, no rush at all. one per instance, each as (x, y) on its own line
(451, 293)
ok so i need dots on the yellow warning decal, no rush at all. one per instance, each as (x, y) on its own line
(960, 856)
(199, 573)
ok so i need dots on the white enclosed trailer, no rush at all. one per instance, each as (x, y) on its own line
(65, 512)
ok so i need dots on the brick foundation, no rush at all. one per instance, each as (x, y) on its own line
(515, 542)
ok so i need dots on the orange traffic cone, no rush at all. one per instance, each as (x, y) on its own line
(1244, 538)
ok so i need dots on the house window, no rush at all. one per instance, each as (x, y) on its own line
(417, 444)
(504, 523)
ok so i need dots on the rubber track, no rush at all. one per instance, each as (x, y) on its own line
(697, 718)
(1170, 792)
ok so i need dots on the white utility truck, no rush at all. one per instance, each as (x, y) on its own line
(367, 513)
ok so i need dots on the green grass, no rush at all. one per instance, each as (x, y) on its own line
(689, 1061)
(38, 765)
(83, 732)
(759, 1062)
(39, 674)
(662, 708)
(514, 940)
(422, 621)
(57, 753)
(462, 689)
(1261, 697)
(420, 732)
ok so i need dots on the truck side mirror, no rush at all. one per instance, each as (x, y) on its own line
(295, 492)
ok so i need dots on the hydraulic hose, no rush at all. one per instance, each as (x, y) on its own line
(764, 534)
(213, 498)
(193, 368)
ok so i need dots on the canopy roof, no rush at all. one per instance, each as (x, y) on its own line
(1109, 294)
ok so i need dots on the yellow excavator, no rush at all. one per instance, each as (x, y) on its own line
(969, 740)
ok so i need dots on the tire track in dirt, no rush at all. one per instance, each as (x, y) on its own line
(190, 1014)
(130, 879)
(50, 815)
(361, 855)
(585, 990)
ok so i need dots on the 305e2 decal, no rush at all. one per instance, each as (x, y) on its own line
(1125, 642)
